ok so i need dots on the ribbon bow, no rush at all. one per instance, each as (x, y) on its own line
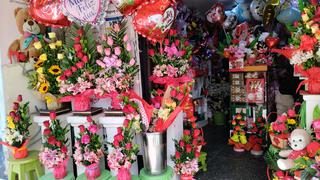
(29, 38)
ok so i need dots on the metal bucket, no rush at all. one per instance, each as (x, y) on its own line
(155, 152)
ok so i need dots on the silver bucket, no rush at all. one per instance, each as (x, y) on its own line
(155, 152)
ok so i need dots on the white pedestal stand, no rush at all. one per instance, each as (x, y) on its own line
(111, 124)
(312, 101)
(63, 120)
(75, 121)
(175, 131)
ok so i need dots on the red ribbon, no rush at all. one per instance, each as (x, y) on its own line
(170, 80)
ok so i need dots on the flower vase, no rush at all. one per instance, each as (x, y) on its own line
(124, 174)
(60, 171)
(92, 171)
(20, 153)
(81, 103)
(186, 177)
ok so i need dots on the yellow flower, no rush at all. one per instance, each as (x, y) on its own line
(60, 56)
(52, 35)
(37, 45)
(314, 28)
(170, 103)
(52, 46)
(43, 57)
(59, 43)
(40, 70)
(306, 158)
(48, 99)
(38, 64)
(44, 87)
(163, 113)
(55, 70)
(291, 121)
(11, 125)
(58, 79)
(305, 17)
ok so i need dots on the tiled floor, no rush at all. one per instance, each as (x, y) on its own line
(224, 163)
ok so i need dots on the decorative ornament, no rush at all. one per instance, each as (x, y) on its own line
(216, 13)
(85, 12)
(269, 13)
(153, 20)
(256, 9)
(231, 21)
(289, 15)
(48, 12)
(127, 7)
(271, 42)
(242, 10)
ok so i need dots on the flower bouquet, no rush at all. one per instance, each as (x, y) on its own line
(88, 149)
(117, 67)
(238, 138)
(55, 153)
(172, 60)
(45, 78)
(17, 130)
(187, 153)
(257, 135)
(79, 68)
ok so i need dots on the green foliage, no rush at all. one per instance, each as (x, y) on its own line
(271, 156)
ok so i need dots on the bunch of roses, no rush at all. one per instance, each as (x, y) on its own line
(285, 123)
(55, 151)
(88, 147)
(117, 68)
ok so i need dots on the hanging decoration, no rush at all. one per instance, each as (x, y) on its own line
(127, 7)
(48, 12)
(216, 14)
(269, 13)
(154, 19)
(83, 12)
(256, 9)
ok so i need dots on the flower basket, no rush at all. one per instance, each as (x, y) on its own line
(20, 153)
(81, 103)
(279, 141)
(60, 171)
(186, 177)
(93, 171)
(124, 174)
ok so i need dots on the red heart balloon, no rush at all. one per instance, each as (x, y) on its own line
(127, 7)
(154, 19)
(48, 12)
(272, 41)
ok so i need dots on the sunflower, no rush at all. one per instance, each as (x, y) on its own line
(55, 70)
(38, 64)
(44, 87)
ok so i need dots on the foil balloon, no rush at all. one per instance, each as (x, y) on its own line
(231, 21)
(242, 11)
(48, 12)
(256, 9)
(216, 14)
(85, 12)
(269, 13)
(153, 20)
(289, 15)
(127, 7)
(241, 32)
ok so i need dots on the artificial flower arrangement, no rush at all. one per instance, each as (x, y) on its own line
(55, 153)
(238, 138)
(187, 151)
(171, 59)
(17, 130)
(45, 78)
(117, 67)
(88, 149)
(79, 67)
(257, 136)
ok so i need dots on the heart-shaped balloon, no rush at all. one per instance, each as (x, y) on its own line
(153, 20)
(272, 41)
(48, 12)
(216, 13)
(127, 7)
(85, 11)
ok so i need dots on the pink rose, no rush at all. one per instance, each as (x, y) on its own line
(93, 129)
(68, 72)
(181, 143)
(64, 149)
(89, 119)
(100, 63)
(82, 129)
(125, 38)
(116, 143)
(119, 137)
(12, 114)
(180, 96)
(52, 115)
(128, 146)
(126, 123)
(107, 51)
(188, 148)
(19, 98)
(117, 50)
(282, 118)
(77, 39)
(128, 47)
(85, 139)
(17, 119)
(80, 55)
(109, 41)
(132, 62)
(77, 47)
(178, 155)
(80, 65)
(173, 93)
(46, 123)
(100, 49)
(291, 113)
(85, 59)
(46, 132)
(119, 130)
(73, 69)
(15, 106)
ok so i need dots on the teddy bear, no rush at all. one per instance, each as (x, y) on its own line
(22, 49)
(299, 141)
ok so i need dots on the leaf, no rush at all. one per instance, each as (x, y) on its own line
(301, 5)
(316, 113)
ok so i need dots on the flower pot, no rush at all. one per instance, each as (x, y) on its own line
(92, 171)
(219, 118)
(155, 152)
(81, 103)
(186, 177)
(61, 171)
(20, 153)
(280, 141)
(123, 174)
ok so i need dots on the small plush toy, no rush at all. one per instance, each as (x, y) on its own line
(299, 140)
(22, 49)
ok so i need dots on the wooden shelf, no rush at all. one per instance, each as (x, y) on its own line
(262, 68)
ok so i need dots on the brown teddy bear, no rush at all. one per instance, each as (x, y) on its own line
(22, 49)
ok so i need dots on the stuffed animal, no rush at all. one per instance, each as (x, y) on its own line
(22, 49)
(299, 140)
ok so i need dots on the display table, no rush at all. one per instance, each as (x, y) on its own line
(165, 176)
(74, 122)
(39, 119)
(105, 175)
(132, 178)
(312, 100)
(111, 123)
(50, 176)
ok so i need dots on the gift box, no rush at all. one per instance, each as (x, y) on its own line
(280, 141)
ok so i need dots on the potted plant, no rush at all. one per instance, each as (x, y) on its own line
(55, 153)
(238, 138)
(17, 130)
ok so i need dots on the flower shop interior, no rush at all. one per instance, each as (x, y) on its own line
(160, 89)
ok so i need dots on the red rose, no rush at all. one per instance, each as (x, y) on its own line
(127, 109)
(58, 143)
(52, 140)
(64, 149)
(188, 148)
(151, 52)
(12, 114)
(172, 32)
(46, 123)
(119, 137)
(159, 125)
(63, 78)
(180, 96)
(307, 42)
(80, 32)
(52, 115)
(82, 129)
(186, 132)
(186, 43)
(173, 93)
(182, 52)
(15, 106)
(77, 39)
(195, 142)
(196, 133)
(68, 72)
(116, 143)
(77, 47)
(128, 146)
(85, 59)
(296, 24)
(80, 55)
(314, 2)
(177, 42)
(17, 118)
(197, 154)
(126, 123)
(89, 119)
(46, 132)
(166, 42)
(291, 113)
(73, 69)
(119, 130)
(80, 65)
(181, 143)
(178, 155)
(19, 98)
(22, 57)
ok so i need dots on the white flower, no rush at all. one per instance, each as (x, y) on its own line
(301, 57)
